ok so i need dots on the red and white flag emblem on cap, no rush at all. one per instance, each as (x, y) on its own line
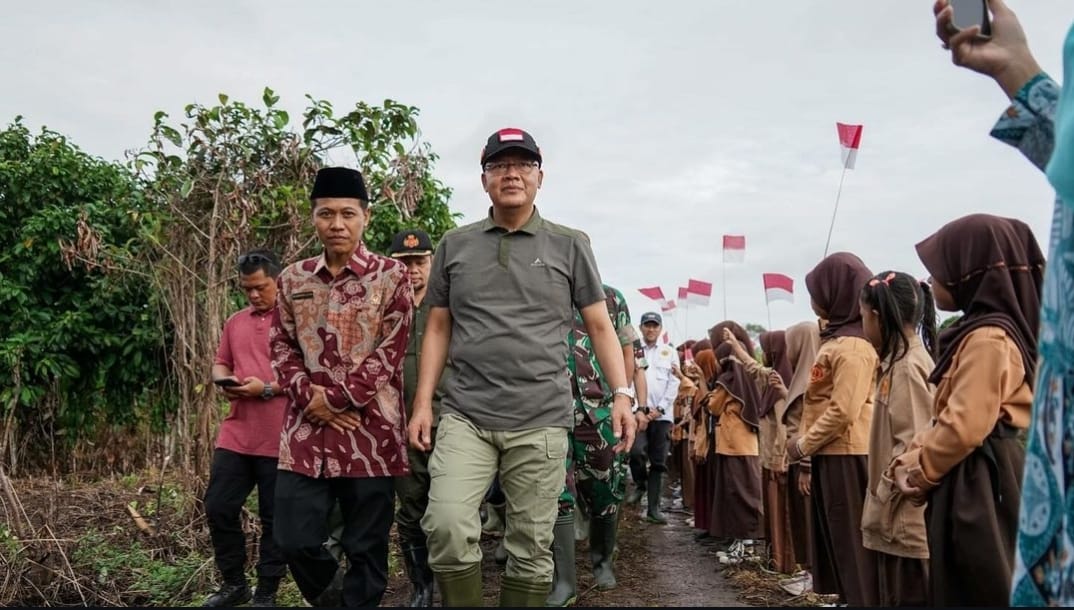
(849, 142)
(778, 287)
(734, 248)
(698, 292)
(511, 135)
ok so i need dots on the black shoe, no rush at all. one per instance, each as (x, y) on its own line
(229, 594)
(265, 593)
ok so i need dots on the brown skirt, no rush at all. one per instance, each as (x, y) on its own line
(687, 475)
(704, 491)
(737, 512)
(903, 581)
(972, 520)
(839, 483)
(800, 511)
(777, 521)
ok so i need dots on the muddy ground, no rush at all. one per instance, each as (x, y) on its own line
(658, 566)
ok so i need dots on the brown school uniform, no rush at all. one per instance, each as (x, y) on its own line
(737, 510)
(681, 438)
(892, 524)
(972, 462)
(772, 439)
(836, 418)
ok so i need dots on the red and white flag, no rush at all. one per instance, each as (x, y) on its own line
(698, 292)
(654, 293)
(684, 296)
(849, 141)
(666, 338)
(734, 248)
(667, 306)
(778, 287)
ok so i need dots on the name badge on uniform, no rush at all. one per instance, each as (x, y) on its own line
(301, 296)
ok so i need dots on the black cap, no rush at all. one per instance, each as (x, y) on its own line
(413, 242)
(342, 182)
(651, 316)
(508, 138)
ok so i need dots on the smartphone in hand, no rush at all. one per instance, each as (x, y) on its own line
(227, 382)
(968, 13)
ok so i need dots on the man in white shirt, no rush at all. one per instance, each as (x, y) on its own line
(648, 457)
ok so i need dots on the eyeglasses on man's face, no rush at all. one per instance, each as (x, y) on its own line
(499, 168)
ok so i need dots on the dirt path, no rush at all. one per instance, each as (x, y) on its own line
(657, 566)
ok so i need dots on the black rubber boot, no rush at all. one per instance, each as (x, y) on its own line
(602, 539)
(416, 560)
(656, 483)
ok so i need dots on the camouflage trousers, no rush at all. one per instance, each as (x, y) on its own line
(596, 475)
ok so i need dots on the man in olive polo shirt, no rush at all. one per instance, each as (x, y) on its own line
(501, 294)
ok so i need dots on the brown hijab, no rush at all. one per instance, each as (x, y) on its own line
(835, 285)
(994, 269)
(700, 346)
(716, 334)
(774, 346)
(706, 361)
(738, 383)
(803, 342)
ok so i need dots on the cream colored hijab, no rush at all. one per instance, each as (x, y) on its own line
(803, 341)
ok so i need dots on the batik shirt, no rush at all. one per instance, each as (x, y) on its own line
(347, 333)
(1044, 559)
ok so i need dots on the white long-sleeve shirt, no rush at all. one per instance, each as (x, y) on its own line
(661, 379)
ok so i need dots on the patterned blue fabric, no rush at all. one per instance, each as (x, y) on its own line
(1061, 169)
(1044, 559)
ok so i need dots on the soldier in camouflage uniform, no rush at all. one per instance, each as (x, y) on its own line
(596, 475)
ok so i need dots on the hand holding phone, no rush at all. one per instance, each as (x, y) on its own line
(227, 382)
(968, 13)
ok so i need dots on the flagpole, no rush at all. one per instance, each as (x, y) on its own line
(838, 193)
(768, 306)
(723, 266)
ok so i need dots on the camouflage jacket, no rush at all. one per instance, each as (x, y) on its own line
(592, 396)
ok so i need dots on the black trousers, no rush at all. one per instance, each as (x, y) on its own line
(232, 478)
(303, 505)
(651, 445)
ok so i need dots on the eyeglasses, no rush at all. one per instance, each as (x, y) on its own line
(253, 259)
(499, 168)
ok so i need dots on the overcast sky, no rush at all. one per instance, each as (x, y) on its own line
(663, 125)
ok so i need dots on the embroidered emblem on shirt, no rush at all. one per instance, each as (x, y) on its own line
(537, 262)
(816, 374)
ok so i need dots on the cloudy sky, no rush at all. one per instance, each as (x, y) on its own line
(664, 125)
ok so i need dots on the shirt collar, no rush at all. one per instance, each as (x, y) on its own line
(531, 226)
(359, 263)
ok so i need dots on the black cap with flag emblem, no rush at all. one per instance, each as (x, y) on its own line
(508, 138)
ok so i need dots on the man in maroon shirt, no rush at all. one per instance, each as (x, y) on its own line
(338, 343)
(249, 439)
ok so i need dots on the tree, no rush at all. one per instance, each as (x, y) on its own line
(231, 177)
(81, 346)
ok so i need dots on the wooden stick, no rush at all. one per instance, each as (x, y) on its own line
(140, 521)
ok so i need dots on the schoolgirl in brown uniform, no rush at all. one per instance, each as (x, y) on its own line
(969, 462)
(836, 418)
(894, 308)
(769, 379)
(803, 342)
(733, 404)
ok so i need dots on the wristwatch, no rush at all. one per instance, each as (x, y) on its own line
(267, 393)
(644, 410)
(625, 391)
